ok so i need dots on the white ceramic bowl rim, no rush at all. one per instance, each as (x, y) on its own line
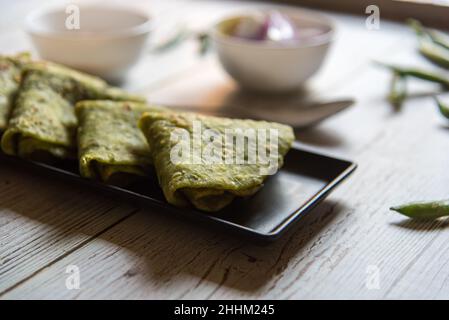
(324, 38)
(32, 25)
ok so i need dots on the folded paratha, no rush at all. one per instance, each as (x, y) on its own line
(10, 75)
(111, 147)
(42, 124)
(211, 180)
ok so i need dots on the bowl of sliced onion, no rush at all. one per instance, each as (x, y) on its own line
(273, 50)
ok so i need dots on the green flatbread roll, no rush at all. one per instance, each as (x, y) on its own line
(111, 147)
(42, 125)
(91, 87)
(10, 75)
(211, 183)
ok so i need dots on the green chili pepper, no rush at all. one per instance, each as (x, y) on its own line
(422, 74)
(444, 109)
(437, 37)
(432, 46)
(398, 90)
(424, 210)
(434, 53)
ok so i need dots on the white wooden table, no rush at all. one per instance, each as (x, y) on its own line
(351, 246)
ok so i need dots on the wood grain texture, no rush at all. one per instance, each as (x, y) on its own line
(123, 254)
(42, 221)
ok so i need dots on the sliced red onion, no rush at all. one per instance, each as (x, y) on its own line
(280, 28)
(273, 26)
(251, 27)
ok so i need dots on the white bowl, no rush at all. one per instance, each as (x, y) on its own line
(108, 43)
(269, 66)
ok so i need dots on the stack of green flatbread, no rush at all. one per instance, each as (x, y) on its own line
(42, 123)
(11, 68)
(53, 113)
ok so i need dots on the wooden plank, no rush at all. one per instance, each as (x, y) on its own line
(146, 259)
(42, 221)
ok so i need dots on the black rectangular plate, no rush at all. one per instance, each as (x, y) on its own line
(304, 181)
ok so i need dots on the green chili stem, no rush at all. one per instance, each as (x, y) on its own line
(398, 90)
(180, 36)
(422, 74)
(424, 210)
(434, 53)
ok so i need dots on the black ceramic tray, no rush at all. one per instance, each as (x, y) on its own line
(304, 181)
